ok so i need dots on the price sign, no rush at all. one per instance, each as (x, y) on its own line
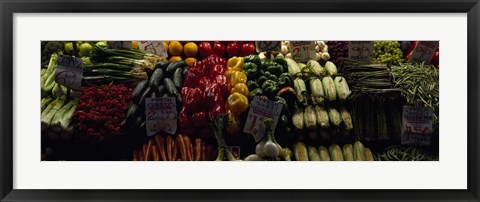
(119, 44)
(360, 50)
(154, 47)
(262, 46)
(69, 71)
(259, 109)
(235, 151)
(302, 51)
(161, 115)
(417, 125)
(423, 52)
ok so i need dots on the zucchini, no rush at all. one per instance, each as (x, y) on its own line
(161, 89)
(138, 90)
(177, 78)
(185, 70)
(171, 89)
(145, 94)
(174, 66)
(156, 78)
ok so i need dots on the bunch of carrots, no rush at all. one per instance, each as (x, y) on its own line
(174, 148)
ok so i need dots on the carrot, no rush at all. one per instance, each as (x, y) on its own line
(155, 153)
(189, 147)
(148, 153)
(204, 152)
(161, 146)
(175, 150)
(145, 157)
(181, 146)
(198, 149)
(169, 148)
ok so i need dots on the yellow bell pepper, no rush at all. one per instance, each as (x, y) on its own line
(237, 77)
(240, 88)
(237, 104)
(229, 74)
(233, 124)
(235, 63)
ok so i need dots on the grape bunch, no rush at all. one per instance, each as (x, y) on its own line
(338, 51)
(388, 52)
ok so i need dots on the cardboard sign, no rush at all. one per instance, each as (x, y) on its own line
(423, 52)
(161, 115)
(262, 46)
(360, 50)
(417, 125)
(259, 109)
(119, 44)
(69, 71)
(154, 47)
(235, 151)
(302, 51)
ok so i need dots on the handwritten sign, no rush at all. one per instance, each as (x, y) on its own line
(417, 125)
(262, 46)
(119, 44)
(423, 52)
(161, 115)
(261, 108)
(235, 151)
(154, 47)
(302, 51)
(360, 50)
(69, 71)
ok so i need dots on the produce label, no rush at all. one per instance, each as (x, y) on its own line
(154, 47)
(417, 125)
(267, 46)
(119, 44)
(423, 52)
(235, 151)
(360, 50)
(161, 115)
(259, 109)
(302, 51)
(69, 71)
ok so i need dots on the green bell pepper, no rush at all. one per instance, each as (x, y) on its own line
(282, 62)
(251, 84)
(265, 63)
(267, 84)
(256, 91)
(251, 70)
(261, 79)
(276, 69)
(253, 58)
(285, 80)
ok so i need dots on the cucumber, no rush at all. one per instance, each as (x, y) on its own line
(145, 94)
(132, 112)
(156, 78)
(171, 89)
(185, 70)
(138, 90)
(174, 66)
(162, 65)
(177, 78)
(162, 90)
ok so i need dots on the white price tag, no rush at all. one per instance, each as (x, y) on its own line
(262, 46)
(69, 71)
(161, 115)
(259, 109)
(302, 51)
(360, 50)
(417, 125)
(154, 47)
(423, 52)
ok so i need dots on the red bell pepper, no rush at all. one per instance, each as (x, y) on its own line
(184, 92)
(192, 77)
(193, 100)
(199, 119)
(218, 109)
(221, 82)
(184, 119)
(200, 66)
(203, 83)
(217, 69)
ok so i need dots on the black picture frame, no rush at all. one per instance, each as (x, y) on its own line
(9, 7)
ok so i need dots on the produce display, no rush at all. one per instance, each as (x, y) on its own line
(228, 102)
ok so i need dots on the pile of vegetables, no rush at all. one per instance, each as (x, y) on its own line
(204, 93)
(101, 109)
(268, 148)
(387, 52)
(166, 80)
(338, 51)
(321, 51)
(403, 153)
(348, 152)
(237, 101)
(174, 148)
(419, 84)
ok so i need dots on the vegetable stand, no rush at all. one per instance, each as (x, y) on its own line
(235, 100)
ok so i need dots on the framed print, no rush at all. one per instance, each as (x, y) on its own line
(239, 101)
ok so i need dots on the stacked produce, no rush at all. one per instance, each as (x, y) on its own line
(387, 52)
(402, 153)
(376, 104)
(47, 80)
(174, 148)
(237, 101)
(338, 51)
(204, 93)
(268, 148)
(101, 109)
(348, 152)
(321, 51)
(419, 84)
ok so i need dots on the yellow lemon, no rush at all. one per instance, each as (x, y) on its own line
(175, 48)
(135, 44)
(175, 58)
(190, 61)
(190, 49)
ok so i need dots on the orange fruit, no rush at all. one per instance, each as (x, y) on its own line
(175, 48)
(135, 44)
(175, 58)
(190, 49)
(190, 61)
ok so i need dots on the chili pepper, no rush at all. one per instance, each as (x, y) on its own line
(199, 119)
(193, 100)
(237, 103)
(240, 88)
(235, 63)
(251, 70)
